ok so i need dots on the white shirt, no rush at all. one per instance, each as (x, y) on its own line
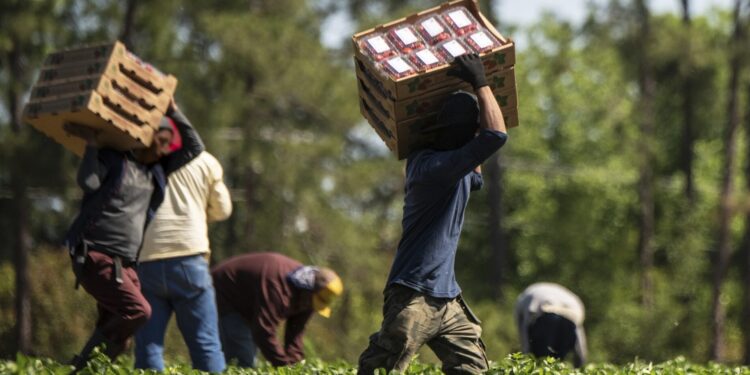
(195, 195)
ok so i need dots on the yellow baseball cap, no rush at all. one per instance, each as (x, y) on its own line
(329, 286)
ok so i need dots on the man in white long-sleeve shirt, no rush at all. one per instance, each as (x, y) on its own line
(174, 271)
(550, 322)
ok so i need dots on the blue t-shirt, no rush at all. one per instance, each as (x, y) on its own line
(437, 190)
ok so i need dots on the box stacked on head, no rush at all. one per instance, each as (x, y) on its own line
(104, 87)
(402, 70)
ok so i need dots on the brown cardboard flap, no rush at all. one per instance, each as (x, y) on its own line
(115, 131)
(114, 65)
(107, 85)
(404, 136)
(77, 55)
(501, 82)
(109, 97)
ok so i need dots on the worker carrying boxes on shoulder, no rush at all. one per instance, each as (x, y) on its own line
(104, 87)
(446, 121)
(402, 70)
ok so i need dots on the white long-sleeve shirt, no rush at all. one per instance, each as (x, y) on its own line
(195, 195)
(541, 298)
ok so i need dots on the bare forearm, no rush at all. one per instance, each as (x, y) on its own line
(490, 115)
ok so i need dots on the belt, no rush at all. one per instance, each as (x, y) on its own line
(80, 254)
(118, 269)
(118, 264)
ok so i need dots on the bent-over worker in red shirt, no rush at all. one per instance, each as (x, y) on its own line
(256, 292)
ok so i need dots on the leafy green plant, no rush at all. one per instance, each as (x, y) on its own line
(510, 365)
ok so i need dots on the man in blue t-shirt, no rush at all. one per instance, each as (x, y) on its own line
(423, 303)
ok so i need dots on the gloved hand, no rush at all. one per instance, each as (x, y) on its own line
(470, 69)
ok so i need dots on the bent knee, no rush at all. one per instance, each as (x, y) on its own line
(140, 313)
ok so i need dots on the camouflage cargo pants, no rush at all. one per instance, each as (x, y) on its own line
(412, 319)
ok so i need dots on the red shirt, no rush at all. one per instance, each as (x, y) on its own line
(256, 286)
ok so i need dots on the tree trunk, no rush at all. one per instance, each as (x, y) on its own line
(21, 260)
(493, 175)
(21, 208)
(251, 179)
(126, 36)
(226, 246)
(721, 264)
(647, 87)
(745, 247)
(497, 238)
(252, 205)
(14, 98)
(688, 131)
(744, 250)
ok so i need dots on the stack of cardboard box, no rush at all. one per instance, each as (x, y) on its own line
(104, 87)
(399, 108)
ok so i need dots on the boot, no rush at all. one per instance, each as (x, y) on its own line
(114, 349)
(96, 339)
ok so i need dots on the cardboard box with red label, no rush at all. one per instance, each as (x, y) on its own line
(401, 69)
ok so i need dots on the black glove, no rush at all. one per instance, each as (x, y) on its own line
(470, 69)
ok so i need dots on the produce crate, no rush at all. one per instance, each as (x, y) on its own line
(113, 99)
(503, 56)
(405, 136)
(115, 64)
(107, 85)
(78, 55)
(104, 87)
(398, 108)
(91, 109)
(502, 84)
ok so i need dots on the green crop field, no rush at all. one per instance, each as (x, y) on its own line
(513, 364)
(627, 180)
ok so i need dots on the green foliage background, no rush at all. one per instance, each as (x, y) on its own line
(309, 178)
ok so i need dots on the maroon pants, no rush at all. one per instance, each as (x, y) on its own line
(122, 308)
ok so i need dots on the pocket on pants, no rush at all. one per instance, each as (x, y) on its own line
(407, 323)
(470, 314)
(397, 297)
(195, 272)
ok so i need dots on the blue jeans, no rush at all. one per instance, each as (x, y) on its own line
(181, 285)
(237, 340)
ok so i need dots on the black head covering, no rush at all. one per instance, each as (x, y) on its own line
(457, 121)
(165, 124)
(551, 335)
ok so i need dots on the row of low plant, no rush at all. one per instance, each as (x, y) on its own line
(512, 364)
